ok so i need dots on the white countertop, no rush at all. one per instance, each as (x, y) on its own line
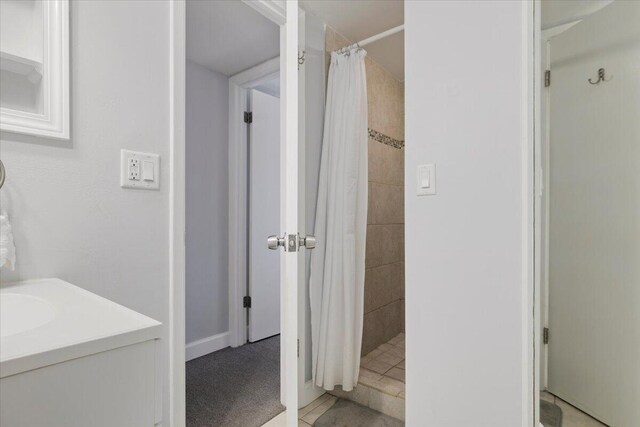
(49, 321)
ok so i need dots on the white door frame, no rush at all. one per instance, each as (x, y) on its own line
(532, 310)
(531, 213)
(544, 186)
(542, 238)
(239, 86)
(275, 10)
(177, 214)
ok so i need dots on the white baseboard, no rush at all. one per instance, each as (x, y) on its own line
(206, 345)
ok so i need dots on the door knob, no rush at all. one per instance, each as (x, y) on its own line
(308, 242)
(274, 241)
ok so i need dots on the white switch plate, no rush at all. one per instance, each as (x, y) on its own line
(426, 180)
(136, 168)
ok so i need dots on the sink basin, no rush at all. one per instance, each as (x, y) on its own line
(20, 313)
(71, 358)
(48, 321)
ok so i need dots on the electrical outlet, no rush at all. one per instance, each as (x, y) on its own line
(134, 169)
(139, 170)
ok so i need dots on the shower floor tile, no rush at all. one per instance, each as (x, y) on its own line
(383, 376)
(383, 368)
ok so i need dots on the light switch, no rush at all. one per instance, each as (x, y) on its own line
(139, 170)
(426, 177)
(147, 170)
(425, 180)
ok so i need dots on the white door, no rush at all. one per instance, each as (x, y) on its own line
(311, 81)
(264, 215)
(289, 214)
(594, 221)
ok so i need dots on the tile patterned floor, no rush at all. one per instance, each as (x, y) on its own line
(310, 413)
(307, 415)
(388, 382)
(571, 416)
(382, 369)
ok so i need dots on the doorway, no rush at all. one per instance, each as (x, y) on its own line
(293, 221)
(323, 30)
(263, 291)
(589, 230)
(232, 322)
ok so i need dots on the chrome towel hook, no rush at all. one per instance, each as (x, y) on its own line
(600, 77)
(2, 174)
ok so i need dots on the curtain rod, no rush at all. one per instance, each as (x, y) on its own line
(382, 35)
(374, 38)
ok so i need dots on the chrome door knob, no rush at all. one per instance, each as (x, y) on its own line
(308, 242)
(274, 241)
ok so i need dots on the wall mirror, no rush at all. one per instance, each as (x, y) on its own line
(34, 67)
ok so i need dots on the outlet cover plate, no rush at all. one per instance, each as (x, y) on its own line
(133, 179)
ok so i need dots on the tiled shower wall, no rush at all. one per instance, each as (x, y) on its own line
(384, 277)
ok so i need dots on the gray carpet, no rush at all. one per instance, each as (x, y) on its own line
(235, 386)
(550, 414)
(345, 413)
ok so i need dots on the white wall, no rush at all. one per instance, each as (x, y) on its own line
(207, 281)
(464, 257)
(70, 217)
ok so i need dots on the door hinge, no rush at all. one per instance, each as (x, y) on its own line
(246, 302)
(545, 336)
(248, 117)
(547, 78)
(298, 348)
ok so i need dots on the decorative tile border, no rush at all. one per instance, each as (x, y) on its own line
(381, 137)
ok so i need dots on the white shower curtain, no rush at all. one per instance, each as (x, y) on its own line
(337, 263)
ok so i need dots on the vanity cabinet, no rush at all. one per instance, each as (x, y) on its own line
(70, 358)
(110, 388)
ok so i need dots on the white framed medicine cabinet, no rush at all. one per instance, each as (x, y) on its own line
(34, 67)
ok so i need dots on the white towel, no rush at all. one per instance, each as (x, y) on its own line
(7, 248)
